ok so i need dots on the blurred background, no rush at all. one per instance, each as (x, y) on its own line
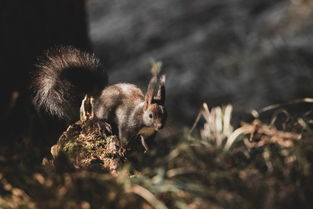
(248, 53)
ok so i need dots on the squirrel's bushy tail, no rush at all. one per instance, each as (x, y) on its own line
(64, 76)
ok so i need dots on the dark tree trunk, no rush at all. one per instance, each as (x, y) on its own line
(27, 28)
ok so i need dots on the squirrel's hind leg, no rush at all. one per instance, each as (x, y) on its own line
(87, 108)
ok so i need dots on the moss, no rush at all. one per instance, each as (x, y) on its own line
(69, 146)
(85, 146)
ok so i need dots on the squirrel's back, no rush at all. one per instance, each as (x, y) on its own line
(116, 98)
(64, 76)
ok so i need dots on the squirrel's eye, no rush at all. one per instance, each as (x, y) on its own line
(150, 115)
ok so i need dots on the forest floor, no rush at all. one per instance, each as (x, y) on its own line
(261, 163)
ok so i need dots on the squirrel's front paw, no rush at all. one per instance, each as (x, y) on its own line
(144, 144)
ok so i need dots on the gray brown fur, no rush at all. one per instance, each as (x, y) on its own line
(64, 76)
(126, 108)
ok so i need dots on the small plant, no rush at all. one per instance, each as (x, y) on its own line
(217, 128)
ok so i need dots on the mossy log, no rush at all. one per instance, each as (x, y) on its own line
(89, 145)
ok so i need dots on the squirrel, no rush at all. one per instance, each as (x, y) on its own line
(66, 75)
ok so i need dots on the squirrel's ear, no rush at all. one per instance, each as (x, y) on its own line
(150, 92)
(155, 70)
(160, 97)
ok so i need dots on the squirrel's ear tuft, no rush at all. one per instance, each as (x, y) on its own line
(155, 67)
